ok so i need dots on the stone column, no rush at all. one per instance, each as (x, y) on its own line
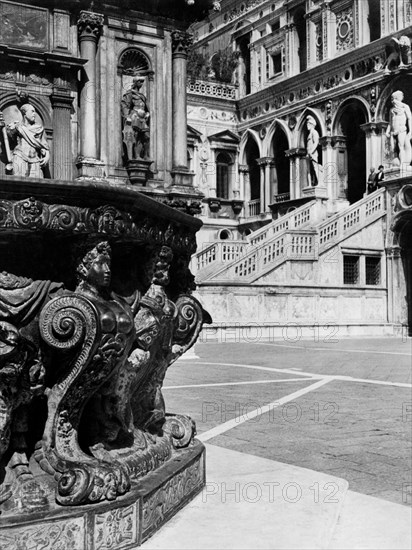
(181, 42)
(329, 167)
(89, 27)
(244, 182)
(62, 160)
(292, 57)
(339, 144)
(311, 40)
(395, 281)
(297, 175)
(375, 144)
(262, 163)
(328, 31)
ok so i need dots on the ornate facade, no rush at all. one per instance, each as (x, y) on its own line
(270, 68)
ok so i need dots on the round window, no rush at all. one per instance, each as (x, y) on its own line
(344, 29)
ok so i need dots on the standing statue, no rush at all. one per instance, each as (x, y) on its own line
(31, 154)
(136, 116)
(312, 142)
(399, 129)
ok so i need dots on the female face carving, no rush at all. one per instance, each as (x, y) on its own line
(99, 273)
(94, 268)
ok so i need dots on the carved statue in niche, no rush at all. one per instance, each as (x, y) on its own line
(399, 129)
(30, 154)
(312, 142)
(100, 361)
(136, 119)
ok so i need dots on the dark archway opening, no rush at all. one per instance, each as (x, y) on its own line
(279, 147)
(353, 116)
(252, 154)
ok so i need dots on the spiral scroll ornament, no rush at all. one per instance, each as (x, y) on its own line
(66, 321)
(189, 319)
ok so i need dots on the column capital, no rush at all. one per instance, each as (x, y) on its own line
(244, 168)
(339, 141)
(264, 161)
(295, 152)
(61, 99)
(374, 127)
(181, 43)
(90, 25)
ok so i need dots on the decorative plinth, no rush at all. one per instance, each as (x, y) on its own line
(120, 525)
(397, 172)
(182, 178)
(139, 171)
(316, 192)
(90, 168)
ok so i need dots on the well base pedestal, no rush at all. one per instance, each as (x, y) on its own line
(123, 524)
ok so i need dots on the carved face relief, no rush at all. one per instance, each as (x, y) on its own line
(99, 274)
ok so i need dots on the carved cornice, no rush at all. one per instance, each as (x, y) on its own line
(105, 221)
(90, 25)
(181, 43)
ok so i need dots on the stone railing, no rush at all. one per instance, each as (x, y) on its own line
(345, 223)
(286, 246)
(293, 220)
(212, 89)
(220, 251)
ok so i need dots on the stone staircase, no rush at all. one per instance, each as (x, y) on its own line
(217, 258)
(303, 234)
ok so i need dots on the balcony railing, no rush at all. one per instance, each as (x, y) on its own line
(283, 197)
(254, 207)
(211, 89)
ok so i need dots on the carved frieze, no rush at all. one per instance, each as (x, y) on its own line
(32, 214)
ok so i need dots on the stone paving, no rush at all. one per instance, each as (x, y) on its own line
(343, 408)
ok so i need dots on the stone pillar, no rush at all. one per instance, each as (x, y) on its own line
(360, 19)
(181, 42)
(244, 182)
(330, 178)
(291, 47)
(89, 27)
(328, 31)
(262, 163)
(311, 39)
(62, 160)
(375, 144)
(339, 144)
(395, 281)
(236, 180)
(298, 177)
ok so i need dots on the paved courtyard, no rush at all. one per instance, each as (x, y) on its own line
(340, 406)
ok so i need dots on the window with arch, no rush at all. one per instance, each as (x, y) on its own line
(223, 168)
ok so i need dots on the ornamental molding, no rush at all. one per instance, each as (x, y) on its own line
(31, 214)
